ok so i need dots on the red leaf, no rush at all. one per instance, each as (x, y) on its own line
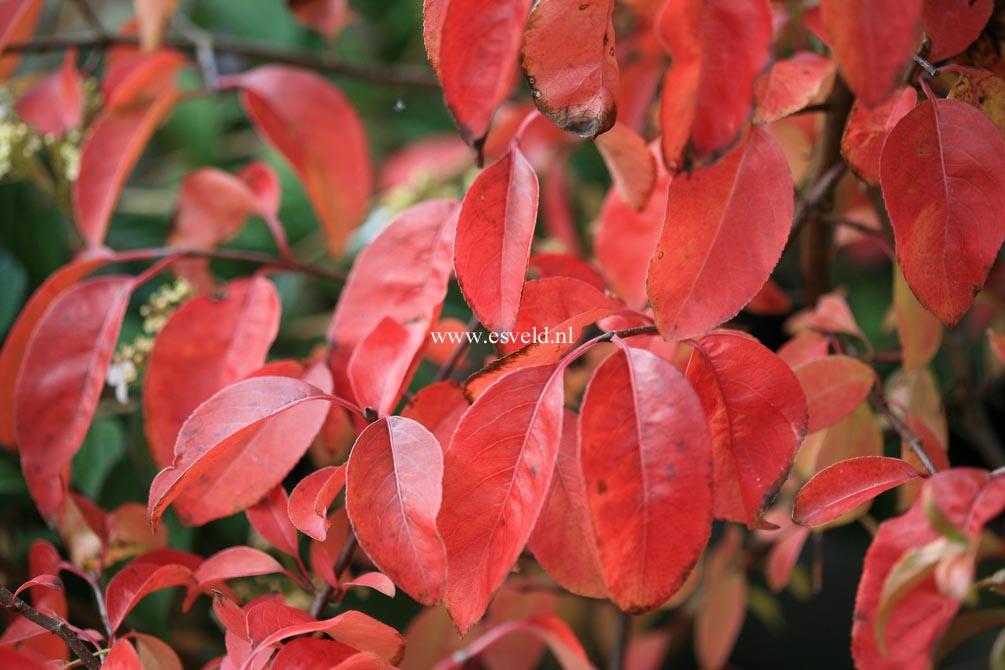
(305, 652)
(17, 24)
(236, 446)
(51, 582)
(396, 466)
(235, 562)
(352, 628)
(439, 156)
(377, 581)
(584, 103)
(943, 177)
(546, 265)
(647, 464)
(494, 234)
(270, 518)
(842, 487)
(207, 344)
(363, 661)
(919, 331)
(380, 365)
(834, 387)
(708, 235)
(632, 166)
(496, 476)
(318, 132)
(60, 382)
(718, 48)
(548, 627)
(19, 336)
(872, 41)
(474, 56)
(122, 657)
(437, 408)
(137, 580)
(625, 235)
(953, 24)
(55, 103)
(968, 499)
(155, 654)
(402, 274)
(867, 129)
(720, 619)
(791, 85)
(137, 104)
(310, 499)
(563, 541)
(325, 16)
(11, 658)
(757, 414)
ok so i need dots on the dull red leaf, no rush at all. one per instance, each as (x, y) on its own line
(152, 17)
(943, 176)
(647, 465)
(845, 485)
(791, 84)
(563, 541)
(155, 654)
(872, 41)
(306, 652)
(270, 518)
(207, 344)
(584, 103)
(556, 634)
(757, 414)
(319, 133)
(632, 166)
(122, 656)
(919, 331)
(325, 16)
(237, 446)
(473, 46)
(718, 48)
(55, 103)
(952, 25)
(545, 265)
(396, 466)
(967, 499)
(709, 234)
(64, 369)
(17, 24)
(496, 476)
(834, 387)
(494, 234)
(311, 498)
(720, 619)
(437, 408)
(137, 580)
(235, 562)
(380, 365)
(867, 129)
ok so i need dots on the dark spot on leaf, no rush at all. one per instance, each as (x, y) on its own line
(533, 471)
(601, 487)
(671, 471)
(583, 6)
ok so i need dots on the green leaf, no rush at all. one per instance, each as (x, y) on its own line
(14, 279)
(102, 449)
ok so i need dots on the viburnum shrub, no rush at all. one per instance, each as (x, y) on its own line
(755, 152)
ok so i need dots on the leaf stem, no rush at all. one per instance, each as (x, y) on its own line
(913, 442)
(55, 626)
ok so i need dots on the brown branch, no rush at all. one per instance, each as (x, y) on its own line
(414, 76)
(233, 255)
(816, 240)
(342, 563)
(53, 625)
(913, 442)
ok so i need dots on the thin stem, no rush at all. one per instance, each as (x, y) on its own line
(234, 255)
(99, 597)
(53, 625)
(913, 442)
(622, 630)
(412, 76)
(342, 563)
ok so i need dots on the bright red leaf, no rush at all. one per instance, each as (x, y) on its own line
(718, 49)
(647, 464)
(320, 134)
(396, 466)
(496, 476)
(845, 485)
(563, 541)
(235, 562)
(236, 446)
(307, 652)
(122, 656)
(791, 85)
(380, 364)
(64, 370)
(311, 498)
(437, 408)
(574, 82)
(632, 166)
(136, 581)
(270, 518)
(943, 177)
(207, 344)
(732, 219)
(473, 46)
(757, 414)
(494, 234)
(872, 41)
